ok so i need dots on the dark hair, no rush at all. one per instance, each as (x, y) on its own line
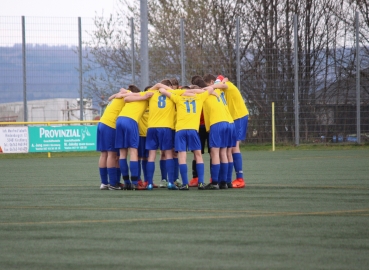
(209, 77)
(194, 86)
(174, 82)
(167, 82)
(200, 82)
(147, 88)
(194, 78)
(133, 88)
(185, 87)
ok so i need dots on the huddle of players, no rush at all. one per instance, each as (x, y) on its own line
(139, 123)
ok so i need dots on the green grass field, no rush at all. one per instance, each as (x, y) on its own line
(301, 209)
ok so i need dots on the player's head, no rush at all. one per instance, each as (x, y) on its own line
(186, 87)
(147, 88)
(199, 82)
(209, 79)
(194, 78)
(133, 88)
(175, 83)
(194, 86)
(166, 82)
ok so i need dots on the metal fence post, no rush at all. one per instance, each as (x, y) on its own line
(297, 127)
(80, 69)
(358, 120)
(25, 115)
(144, 45)
(183, 67)
(133, 51)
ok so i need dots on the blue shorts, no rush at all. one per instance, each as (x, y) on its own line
(105, 138)
(241, 127)
(127, 133)
(187, 139)
(159, 138)
(142, 152)
(232, 136)
(218, 135)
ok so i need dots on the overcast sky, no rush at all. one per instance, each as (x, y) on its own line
(56, 8)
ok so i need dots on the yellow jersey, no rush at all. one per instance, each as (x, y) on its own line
(189, 110)
(112, 111)
(135, 109)
(162, 110)
(215, 110)
(142, 123)
(236, 104)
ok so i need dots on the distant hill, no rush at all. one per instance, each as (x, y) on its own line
(51, 73)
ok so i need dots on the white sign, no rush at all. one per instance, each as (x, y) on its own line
(13, 140)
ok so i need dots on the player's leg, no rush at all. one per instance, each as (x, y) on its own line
(152, 145)
(163, 169)
(111, 164)
(103, 170)
(133, 166)
(241, 130)
(223, 168)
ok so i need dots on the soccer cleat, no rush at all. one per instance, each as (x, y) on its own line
(127, 187)
(163, 183)
(116, 187)
(201, 186)
(184, 187)
(172, 186)
(104, 187)
(178, 183)
(154, 186)
(149, 187)
(238, 183)
(133, 187)
(210, 186)
(194, 182)
(230, 185)
(223, 185)
(141, 185)
(121, 185)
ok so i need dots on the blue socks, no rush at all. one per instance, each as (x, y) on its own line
(170, 170)
(214, 172)
(104, 175)
(163, 169)
(230, 172)
(112, 172)
(200, 168)
(150, 168)
(237, 163)
(183, 170)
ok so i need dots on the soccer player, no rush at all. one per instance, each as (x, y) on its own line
(127, 137)
(142, 152)
(203, 134)
(217, 124)
(159, 133)
(240, 114)
(189, 107)
(106, 130)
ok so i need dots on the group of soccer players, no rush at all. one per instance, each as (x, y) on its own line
(174, 120)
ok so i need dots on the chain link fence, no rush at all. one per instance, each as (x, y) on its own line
(319, 90)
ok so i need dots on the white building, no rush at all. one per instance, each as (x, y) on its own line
(57, 109)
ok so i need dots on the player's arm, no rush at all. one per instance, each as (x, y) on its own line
(211, 89)
(160, 85)
(165, 92)
(132, 97)
(121, 94)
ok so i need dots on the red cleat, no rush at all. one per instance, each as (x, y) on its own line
(194, 182)
(141, 185)
(154, 186)
(238, 183)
